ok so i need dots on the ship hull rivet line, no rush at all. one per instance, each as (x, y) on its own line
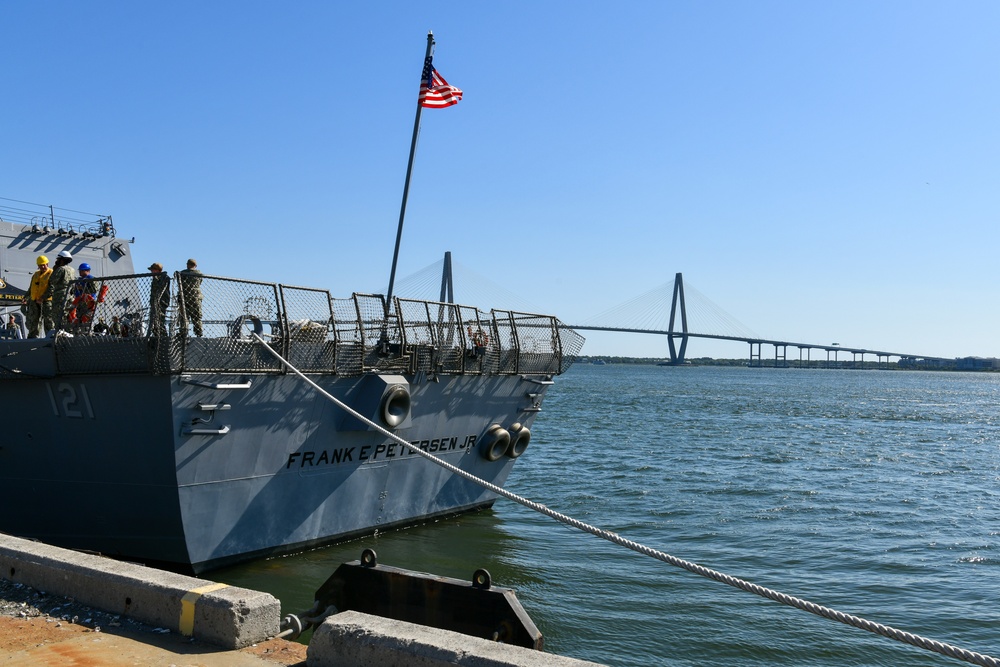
(715, 575)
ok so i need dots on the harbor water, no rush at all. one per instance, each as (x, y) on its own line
(872, 492)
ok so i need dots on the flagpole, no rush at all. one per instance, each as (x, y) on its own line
(406, 183)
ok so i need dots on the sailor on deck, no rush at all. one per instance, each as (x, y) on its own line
(191, 298)
(13, 328)
(159, 300)
(40, 305)
(84, 299)
(62, 275)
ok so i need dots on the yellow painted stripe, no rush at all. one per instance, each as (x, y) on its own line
(187, 606)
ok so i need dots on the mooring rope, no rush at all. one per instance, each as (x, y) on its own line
(750, 587)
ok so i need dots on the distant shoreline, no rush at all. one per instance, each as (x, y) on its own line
(967, 364)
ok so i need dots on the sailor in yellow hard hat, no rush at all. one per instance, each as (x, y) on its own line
(40, 306)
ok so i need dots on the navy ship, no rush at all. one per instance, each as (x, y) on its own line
(138, 439)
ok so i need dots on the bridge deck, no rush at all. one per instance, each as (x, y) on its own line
(764, 341)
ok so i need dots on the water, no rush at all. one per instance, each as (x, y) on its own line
(872, 492)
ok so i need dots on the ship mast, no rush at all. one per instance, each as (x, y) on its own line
(406, 183)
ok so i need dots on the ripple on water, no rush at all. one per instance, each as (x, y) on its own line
(875, 493)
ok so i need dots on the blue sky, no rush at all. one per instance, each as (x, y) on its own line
(821, 171)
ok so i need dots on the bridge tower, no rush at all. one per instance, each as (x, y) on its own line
(447, 284)
(677, 355)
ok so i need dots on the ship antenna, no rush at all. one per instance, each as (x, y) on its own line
(406, 183)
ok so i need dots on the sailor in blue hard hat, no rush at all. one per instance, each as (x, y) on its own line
(84, 299)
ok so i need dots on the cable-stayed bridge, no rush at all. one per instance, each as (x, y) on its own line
(681, 314)
(676, 311)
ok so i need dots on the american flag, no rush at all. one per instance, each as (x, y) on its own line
(435, 93)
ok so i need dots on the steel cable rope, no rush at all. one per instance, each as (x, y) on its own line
(470, 288)
(750, 587)
(26, 216)
(638, 311)
(484, 291)
(421, 283)
(650, 311)
(56, 208)
(655, 316)
(706, 308)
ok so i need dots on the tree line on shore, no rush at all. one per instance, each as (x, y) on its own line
(938, 365)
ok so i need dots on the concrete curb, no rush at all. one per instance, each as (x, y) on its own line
(353, 639)
(222, 615)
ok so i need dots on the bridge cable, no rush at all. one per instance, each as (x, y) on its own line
(750, 587)
(471, 288)
(651, 312)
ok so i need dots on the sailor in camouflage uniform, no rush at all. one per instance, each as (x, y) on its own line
(159, 301)
(62, 275)
(191, 298)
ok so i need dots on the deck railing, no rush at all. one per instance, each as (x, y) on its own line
(144, 323)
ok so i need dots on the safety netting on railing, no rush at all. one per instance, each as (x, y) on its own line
(433, 334)
(483, 341)
(198, 323)
(213, 320)
(347, 329)
(381, 339)
(311, 340)
(445, 337)
(532, 343)
(104, 325)
(571, 343)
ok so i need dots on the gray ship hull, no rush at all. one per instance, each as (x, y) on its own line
(115, 471)
(163, 418)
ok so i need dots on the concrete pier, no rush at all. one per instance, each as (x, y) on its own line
(221, 615)
(230, 618)
(353, 639)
